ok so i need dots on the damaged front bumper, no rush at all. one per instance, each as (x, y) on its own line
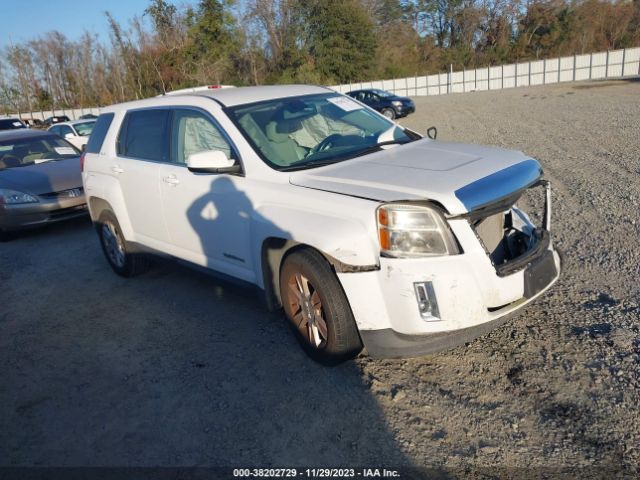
(474, 292)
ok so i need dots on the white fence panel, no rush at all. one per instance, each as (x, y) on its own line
(598, 65)
(537, 72)
(509, 76)
(457, 82)
(583, 67)
(615, 63)
(433, 86)
(422, 86)
(443, 83)
(470, 80)
(411, 86)
(566, 69)
(632, 62)
(523, 74)
(482, 76)
(551, 71)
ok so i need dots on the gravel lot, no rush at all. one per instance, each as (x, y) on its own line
(174, 368)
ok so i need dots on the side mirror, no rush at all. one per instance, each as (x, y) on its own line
(212, 161)
(83, 148)
(69, 135)
(432, 133)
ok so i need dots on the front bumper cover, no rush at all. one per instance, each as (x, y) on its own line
(387, 343)
(45, 211)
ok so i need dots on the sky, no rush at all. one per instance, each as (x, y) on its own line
(24, 20)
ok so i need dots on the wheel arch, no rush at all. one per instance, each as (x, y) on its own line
(97, 205)
(273, 253)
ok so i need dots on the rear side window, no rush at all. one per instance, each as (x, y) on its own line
(94, 145)
(145, 135)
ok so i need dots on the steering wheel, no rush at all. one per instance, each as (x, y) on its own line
(326, 143)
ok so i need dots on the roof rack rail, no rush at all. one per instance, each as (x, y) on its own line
(196, 89)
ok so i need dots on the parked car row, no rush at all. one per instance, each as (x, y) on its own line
(10, 123)
(76, 132)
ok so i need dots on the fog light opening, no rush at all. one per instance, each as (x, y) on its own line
(427, 303)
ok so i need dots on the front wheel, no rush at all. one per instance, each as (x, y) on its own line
(115, 248)
(389, 113)
(317, 308)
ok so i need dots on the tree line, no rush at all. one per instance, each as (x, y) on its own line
(258, 42)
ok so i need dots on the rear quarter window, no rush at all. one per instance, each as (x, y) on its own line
(94, 145)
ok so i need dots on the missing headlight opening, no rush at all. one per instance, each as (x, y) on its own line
(509, 234)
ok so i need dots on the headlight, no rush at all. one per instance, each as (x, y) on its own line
(396, 103)
(13, 197)
(408, 230)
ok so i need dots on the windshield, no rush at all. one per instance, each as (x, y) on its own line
(84, 129)
(312, 130)
(28, 151)
(11, 124)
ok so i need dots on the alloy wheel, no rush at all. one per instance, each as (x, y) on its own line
(306, 310)
(113, 244)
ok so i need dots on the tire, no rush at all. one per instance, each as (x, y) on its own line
(116, 249)
(389, 113)
(317, 308)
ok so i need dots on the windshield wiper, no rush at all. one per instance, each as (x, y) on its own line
(321, 163)
(376, 147)
(309, 164)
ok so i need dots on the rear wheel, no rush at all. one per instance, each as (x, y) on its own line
(115, 248)
(389, 113)
(317, 308)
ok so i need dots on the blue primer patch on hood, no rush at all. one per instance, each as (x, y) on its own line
(499, 184)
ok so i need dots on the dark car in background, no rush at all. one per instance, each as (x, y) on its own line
(55, 119)
(390, 105)
(10, 123)
(32, 122)
(40, 180)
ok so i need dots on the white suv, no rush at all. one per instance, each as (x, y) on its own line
(364, 232)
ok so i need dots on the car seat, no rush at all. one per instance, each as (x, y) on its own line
(287, 150)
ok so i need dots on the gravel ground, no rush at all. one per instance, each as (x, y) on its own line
(174, 368)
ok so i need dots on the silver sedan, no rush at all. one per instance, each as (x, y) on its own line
(40, 180)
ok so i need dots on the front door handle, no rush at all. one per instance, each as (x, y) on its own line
(171, 180)
(117, 169)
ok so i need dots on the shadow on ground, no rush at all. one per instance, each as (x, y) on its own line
(170, 368)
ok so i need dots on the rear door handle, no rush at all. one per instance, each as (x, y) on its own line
(171, 180)
(117, 169)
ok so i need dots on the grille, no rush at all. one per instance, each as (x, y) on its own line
(67, 212)
(70, 193)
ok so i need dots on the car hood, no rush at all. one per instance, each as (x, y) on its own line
(44, 177)
(459, 177)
